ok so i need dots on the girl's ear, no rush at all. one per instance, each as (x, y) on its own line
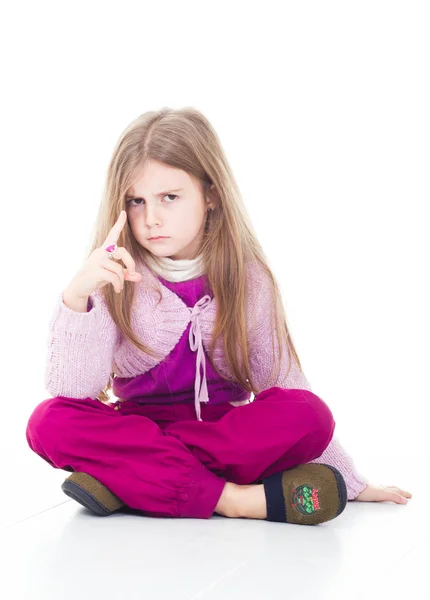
(211, 197)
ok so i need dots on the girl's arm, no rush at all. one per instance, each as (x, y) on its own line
(80, 349)
(336, 456)
(261, 359)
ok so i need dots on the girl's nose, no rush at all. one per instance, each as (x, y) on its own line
(151, 217)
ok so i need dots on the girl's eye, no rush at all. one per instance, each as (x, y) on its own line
(140, 204)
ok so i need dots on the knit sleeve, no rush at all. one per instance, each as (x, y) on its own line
(261, 322)
(336, 456)
(80, 349)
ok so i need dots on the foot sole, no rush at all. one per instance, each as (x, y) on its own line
(92, 494)
(305, 495)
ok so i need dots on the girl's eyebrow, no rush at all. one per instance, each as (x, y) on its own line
(130, 197)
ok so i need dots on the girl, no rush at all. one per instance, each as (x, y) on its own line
(182, 332)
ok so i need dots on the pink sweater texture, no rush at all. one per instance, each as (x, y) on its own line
(85, 348)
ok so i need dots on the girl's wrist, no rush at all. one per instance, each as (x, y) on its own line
(73, 301)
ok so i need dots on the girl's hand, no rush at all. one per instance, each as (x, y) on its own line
(100, 270)
(379, 493)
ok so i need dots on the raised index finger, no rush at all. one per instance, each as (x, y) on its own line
(114, 233)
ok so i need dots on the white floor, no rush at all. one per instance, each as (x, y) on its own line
(51, 547)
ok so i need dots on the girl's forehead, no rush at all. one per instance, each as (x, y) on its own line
(161, 193)
(156, 179)
(158, 185)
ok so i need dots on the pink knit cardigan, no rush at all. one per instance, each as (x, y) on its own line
(84, 348)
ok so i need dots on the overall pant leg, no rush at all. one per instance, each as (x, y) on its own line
(280, 429)
(128, 453)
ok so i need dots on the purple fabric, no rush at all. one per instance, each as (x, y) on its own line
(159, 459)
(81, 351)
(173, 380)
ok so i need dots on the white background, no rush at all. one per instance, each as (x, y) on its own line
(323, 111)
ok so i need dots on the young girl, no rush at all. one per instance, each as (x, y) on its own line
(178, 313)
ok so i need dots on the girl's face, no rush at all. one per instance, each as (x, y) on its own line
(165, 201)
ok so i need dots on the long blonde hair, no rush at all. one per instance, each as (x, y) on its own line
(184, 139)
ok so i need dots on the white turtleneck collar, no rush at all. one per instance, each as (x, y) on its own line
(176, 270)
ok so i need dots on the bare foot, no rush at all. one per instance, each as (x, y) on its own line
(248, 501)
(252, 502)
(228, 504)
